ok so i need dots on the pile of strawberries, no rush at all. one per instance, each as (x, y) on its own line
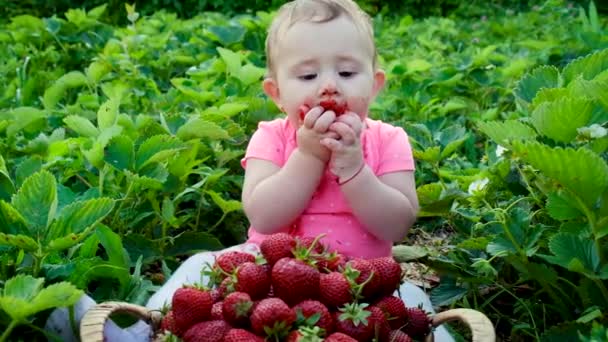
(296, 291)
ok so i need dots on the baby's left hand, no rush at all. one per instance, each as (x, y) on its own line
(346, 152)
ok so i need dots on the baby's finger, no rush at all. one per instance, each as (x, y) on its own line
(353, 120)
(332, 144)
(324, 121)
(311, 117)
(346, 133)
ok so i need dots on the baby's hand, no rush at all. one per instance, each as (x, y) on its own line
(346, 150)
(314, 129)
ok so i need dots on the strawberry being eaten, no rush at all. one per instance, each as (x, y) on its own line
(331, 104)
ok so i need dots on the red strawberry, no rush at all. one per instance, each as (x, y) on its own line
(216, 311)
(339, 337)
(331, 104)
(330, 262)
(209, 331)
(190, 306)
(272, 317)
(228, 261)
(241, 335)
(394, 309)
(216, 295)
(303, 110)
(225, 288)
(389, 271)
(334, 289)
(399, 336)
(237, 308)
(168, 324)
(418, 323)
(277, 246)
(354, 320)
(305, 334)
(308, 241)
(294, 281)
(253, 279)
(367, 278)
(309, 308)
(380, 326)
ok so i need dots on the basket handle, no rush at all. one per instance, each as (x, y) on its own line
(481, 327)
(93, 321)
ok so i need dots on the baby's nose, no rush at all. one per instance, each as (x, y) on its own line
(328, 88)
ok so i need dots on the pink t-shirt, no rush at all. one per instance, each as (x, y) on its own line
(386, 148)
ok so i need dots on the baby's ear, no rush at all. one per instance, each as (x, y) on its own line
(379, 80)
(271, 88)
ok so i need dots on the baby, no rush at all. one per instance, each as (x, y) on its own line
(323, 168)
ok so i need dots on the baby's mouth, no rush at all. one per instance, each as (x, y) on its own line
(331, 104)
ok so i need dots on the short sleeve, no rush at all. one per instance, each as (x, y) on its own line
(395, 151)
(266, 143)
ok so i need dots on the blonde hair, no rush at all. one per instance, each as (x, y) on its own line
(317, 11)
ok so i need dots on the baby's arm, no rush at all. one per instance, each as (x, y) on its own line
(387, 205)
(274, 197)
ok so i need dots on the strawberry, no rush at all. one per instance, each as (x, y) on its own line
(168, 324)
(305, 334)
(226, 287)
(331, 104)
(276, 247)
(394, 309)
(390, 274)
(314, 313)
(294, 281)
(353, 319)
(303, 110)
(253, 279)
(216, 311)
(399, 336)
(330, 262)
(216, 295)
(209, 331)
(368, 282)
(308, 242)
(229, 261)
(272, 317)
(237, 308)
(418, 323)
(334, 289)
(379, 323)
(241, 335)
(339, 337)
(190, 306)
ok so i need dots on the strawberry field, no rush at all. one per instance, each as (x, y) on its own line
(120, 144)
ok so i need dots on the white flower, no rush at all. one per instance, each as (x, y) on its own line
(477, 185)
(594, 131)
(500, 150)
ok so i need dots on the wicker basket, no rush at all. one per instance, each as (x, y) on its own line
(92, 324)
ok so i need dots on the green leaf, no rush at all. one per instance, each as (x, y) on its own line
(24, 296)
(157, 149)
(24, 117)
(541, 77)
(581, 171)
(549, 95)
(117, 255)
(200, 129)
(20, 241)
(120, 153)
(7, 187)
(97, 70)
(588, 66)
(560, 120)
(430, 155)
(504, 132)
(193, 242)
(81, 126)
(108, 113)
(595, 89)
(447, 293)
(429, 193)
(231, 59)
(55, 92)
(226, 206)
(561, 206)
(404, 253)
(250, 74)
(36, 201)
(11, 221)
(574, 253)
(418, 65)
(79, 217)
(191, 90)
(228, 35)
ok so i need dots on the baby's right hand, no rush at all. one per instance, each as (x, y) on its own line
(313, 130)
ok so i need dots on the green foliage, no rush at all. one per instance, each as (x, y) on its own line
(120, 146)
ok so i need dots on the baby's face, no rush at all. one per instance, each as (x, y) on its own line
(317, 62)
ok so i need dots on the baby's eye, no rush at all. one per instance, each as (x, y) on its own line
(346, 74)
(307, 77)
